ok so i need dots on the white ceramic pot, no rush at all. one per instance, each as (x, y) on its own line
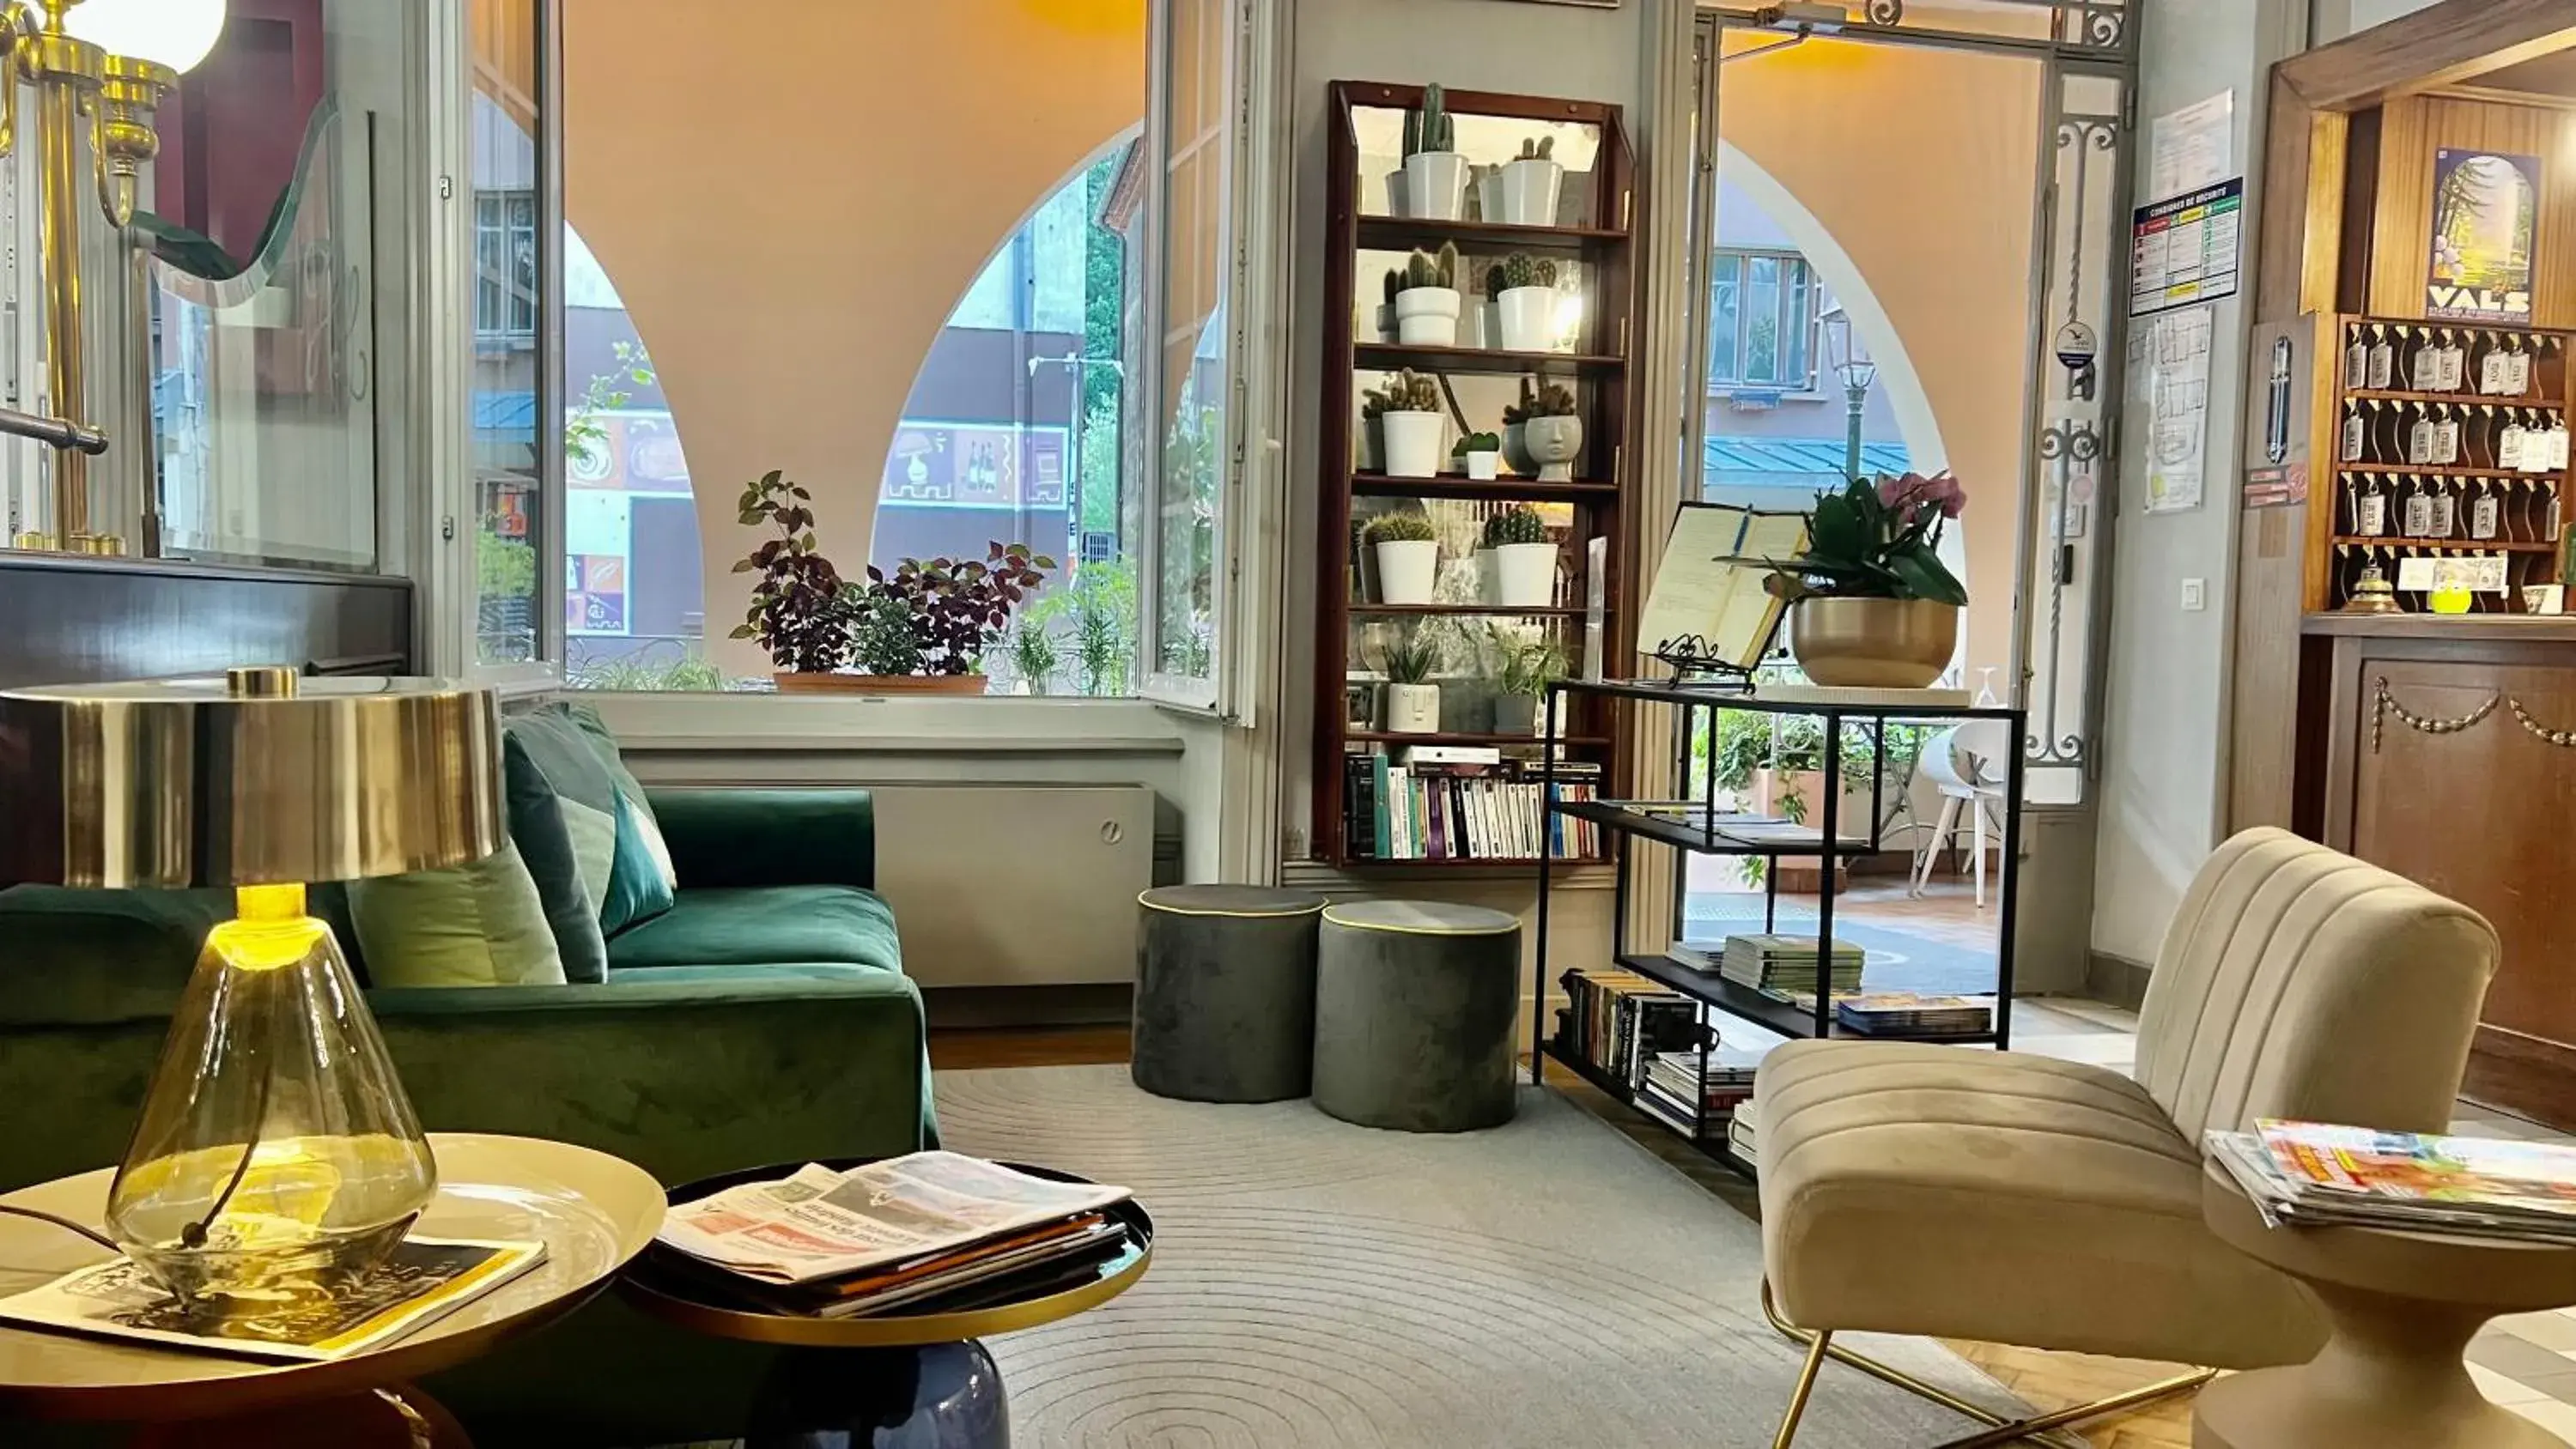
(1382, 320)
(1407, 569)
(1529, 190)
(1412, 444)
(1525, 575)
(1528, 317)
(1483, 464)
(1435, 185)
(1553, 444)
(1488, 181)
(1427, 316)
(1413, 709)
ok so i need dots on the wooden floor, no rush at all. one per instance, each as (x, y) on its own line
(2043, 1380)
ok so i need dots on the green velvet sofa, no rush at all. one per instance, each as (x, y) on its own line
(764, 1018)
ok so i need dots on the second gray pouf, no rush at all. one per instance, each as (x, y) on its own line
(1225, 993)
(1416, 1005)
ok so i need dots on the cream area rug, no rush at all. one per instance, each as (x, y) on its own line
(1544, 1285)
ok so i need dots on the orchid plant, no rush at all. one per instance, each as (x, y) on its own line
(1877, 540)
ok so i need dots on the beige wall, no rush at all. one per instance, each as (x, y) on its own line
(791, 194)
(1919, 164)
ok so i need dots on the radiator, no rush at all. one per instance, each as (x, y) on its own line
(1015, 885)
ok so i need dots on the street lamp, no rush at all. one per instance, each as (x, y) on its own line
(1851, 362)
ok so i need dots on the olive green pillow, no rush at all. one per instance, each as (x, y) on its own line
(469, 925)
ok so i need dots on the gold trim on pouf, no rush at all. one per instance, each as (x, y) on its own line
(1144, 898)
(1351, 925)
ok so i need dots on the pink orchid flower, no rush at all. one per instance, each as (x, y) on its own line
(1908, 495)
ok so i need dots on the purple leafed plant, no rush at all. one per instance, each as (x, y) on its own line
(952, 610)
(798, 609)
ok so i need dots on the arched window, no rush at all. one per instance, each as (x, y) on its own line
(1011, 432)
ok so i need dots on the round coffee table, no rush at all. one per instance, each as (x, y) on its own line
(883, 1381)
(592, 1211)
(2404, 1306)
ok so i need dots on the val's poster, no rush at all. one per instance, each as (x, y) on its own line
(2486, 207)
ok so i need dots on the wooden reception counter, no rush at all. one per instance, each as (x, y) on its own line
(2448, 754)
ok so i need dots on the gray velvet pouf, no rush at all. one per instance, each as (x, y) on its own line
(1225, 993)
(1415, 1009)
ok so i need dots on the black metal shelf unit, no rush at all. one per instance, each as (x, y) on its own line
(1697, 826)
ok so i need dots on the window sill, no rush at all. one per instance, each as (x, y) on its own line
(1725, 392)
(748, 723)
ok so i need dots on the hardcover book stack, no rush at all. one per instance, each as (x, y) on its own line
(1461, 802)
(1902, 1013)
(1616, 1022)
(1674, 1080)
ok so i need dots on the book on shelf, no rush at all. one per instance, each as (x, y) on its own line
(1397, 808)
(1743, 1137)
(1882, 1013)
(2313, 1173)
(1774, 964)
(1617, 1021)
(423, 1280)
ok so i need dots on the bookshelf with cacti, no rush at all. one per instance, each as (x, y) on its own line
(1480, 301)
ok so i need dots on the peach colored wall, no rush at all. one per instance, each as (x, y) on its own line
(791, 194)
(1921, 164)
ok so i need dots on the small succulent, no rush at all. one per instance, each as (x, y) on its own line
(1519, 523)
(1398, 528)
(1426, 269)
(1429, 128)
(1541, 400)
(1541, 149)
(1477, 443)
(1410, 657)
(1520, 269)
(1406, 392)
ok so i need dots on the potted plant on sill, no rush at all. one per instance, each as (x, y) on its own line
(1412, 700)
(1529, 665)
(1531, 182)
(924, 628)
(1480, 454)
(1871, 605)
(1550, 428)
(1407, 549)
(1524, 292)
(1524, 559)
(799, 610)
(1425, 293)
(1410, 424)
(1435, 175)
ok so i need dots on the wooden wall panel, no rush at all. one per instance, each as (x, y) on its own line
(2411, 129)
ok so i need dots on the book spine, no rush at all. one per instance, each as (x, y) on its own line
(1353, 841)
(1381, 817)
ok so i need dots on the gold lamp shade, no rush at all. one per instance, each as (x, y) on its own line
(255, 779)
(277, 1157)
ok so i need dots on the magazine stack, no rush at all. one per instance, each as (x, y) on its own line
(1902, 1013)
(1775, 965)
(2309, 1174)
(933, 1232)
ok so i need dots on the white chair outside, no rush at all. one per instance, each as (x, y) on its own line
(1967, 765)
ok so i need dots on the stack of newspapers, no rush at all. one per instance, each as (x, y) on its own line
(2306, 1174)
(931, 1232)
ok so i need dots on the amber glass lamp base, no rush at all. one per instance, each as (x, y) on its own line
(277, 1157)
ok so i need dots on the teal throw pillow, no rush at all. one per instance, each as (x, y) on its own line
(554, 837)
(644, 880)
(470, 925)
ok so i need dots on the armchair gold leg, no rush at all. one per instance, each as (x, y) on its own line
(1806, 1385)
(2040, 1427)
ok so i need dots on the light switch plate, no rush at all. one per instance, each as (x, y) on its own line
(2195, 595)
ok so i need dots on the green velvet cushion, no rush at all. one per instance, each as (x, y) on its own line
(538, 829)
(643, 872)
(471, 925)
(89, 956)
(725, 837)
(750, 927)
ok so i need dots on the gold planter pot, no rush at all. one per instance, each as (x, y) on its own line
(1873, 643)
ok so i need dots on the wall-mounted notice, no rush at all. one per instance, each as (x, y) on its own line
(2192, 147)
(2169, 374)
(2184, 249)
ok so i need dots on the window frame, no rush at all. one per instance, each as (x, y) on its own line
(1740, 260)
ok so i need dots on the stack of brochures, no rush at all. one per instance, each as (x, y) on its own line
(2310, 1174)
(933, 1232)
(1782, 964)
(1902, 1013)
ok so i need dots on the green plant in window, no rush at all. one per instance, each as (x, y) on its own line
(1035, 655)
(504, 568)
(1100, 648)
(881, 639)
(642, 674)
(800, 610)
(585, 432)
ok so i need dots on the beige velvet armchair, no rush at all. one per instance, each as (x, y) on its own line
(2015, 1199)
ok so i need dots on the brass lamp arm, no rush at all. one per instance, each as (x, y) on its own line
(53, 432)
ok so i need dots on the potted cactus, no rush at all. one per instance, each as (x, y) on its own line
(1524, 292)
(1435, 175)
(1412, 700)
(1408, 557)
(1524, 563)
(1425, 293)
(1410, 425)
(1480, 454)
(1530, 183)
(1550, 428)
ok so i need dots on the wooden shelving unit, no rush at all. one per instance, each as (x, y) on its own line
(2532, 510)
(1602, 215)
